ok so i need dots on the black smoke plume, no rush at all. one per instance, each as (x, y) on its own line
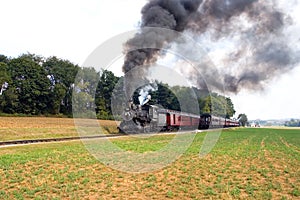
(169, 14)
(263, 50)
(257, 27)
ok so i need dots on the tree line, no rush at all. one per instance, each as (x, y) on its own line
(292, 123)
(35, 85)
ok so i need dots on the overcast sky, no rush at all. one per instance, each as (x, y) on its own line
(72, 29)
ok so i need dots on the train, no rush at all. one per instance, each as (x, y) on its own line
(151, 118)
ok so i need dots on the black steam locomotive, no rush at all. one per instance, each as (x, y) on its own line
(150, 118)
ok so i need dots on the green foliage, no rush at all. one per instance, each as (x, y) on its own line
(165, 97)
(84, 91)
(230, 111)
(186, 98)
(105, 91)
(64, 73)
(3, 59)
(217, 105)
(57, 95)
(293, 123)
(4, 74)
(30, 84)
(4, 77)
(30, 90)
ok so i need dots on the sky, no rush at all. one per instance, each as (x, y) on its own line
(73, 29)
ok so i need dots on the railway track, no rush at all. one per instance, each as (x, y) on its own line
(49, 140)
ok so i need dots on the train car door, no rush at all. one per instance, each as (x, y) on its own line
(174, 119)
(168, 119)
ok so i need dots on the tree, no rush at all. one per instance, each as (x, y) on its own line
(5, 82)
(57, 95)
(293, 123)
(30, 82)
(206, 105)
(214, 104)
(243, 119)
(230, 111)
(9, 101)
(84, 92)
(64, 73)
(4, 74)
(166, 98)
(118, 100)
(104, 93)
(218, 105)
(3, 59)
(188, 99)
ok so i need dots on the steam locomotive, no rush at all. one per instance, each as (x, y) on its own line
(150, 118)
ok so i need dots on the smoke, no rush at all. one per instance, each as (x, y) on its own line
(169, 14)
(260, 45)
(257, 31)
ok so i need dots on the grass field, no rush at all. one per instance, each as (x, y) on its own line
(18, 128)
(245, 164)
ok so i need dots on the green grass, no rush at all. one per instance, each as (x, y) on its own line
(244, 164)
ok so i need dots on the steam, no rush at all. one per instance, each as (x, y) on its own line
(257, 30)
(144, 94)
